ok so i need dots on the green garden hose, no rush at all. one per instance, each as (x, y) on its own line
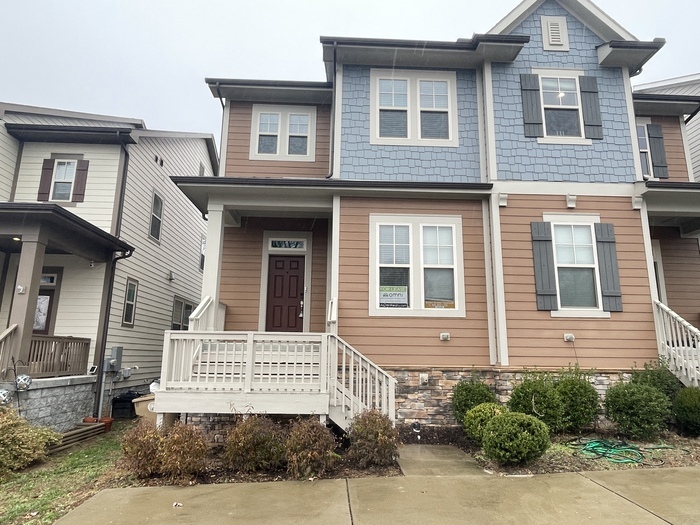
(616, 451)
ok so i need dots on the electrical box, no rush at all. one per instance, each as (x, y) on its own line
(114, 361)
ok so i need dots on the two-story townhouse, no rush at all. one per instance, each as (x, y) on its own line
(98, 249)
(433, 211)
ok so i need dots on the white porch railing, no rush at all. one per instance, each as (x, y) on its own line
(679, 344)
(200, 315)
(5, 348)
(277, 371)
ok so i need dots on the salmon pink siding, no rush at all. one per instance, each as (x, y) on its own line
(412, 341)
(241, 270)
(535, 339)
(681, 263)
(238, 163)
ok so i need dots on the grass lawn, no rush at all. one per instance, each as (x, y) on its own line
(48, 490)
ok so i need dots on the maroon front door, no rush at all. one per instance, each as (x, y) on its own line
(285, 294)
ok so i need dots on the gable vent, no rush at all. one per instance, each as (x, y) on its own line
(555, 36)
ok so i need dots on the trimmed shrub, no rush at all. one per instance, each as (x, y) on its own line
(686, 408)
(255, 443)
(475, 420)
(310, 449)
(657, 374)
(21, 444)
(639, 410)
(141, 446)
(580, 401)
(373, 440)
(183, 453)
(515, 438)
(537, 397)
(467, 394)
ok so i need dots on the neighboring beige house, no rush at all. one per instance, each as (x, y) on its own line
(98, 249)
(688, 85)
(438, 210)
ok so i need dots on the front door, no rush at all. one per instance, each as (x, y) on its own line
(42, 317)
(285, 294)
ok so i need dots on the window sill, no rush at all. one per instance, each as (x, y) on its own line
(64, 204)
(425, 143)
(573, 141)
(571, 312)
(282, 158)
(406, 312)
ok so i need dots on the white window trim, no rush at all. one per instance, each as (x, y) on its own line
(72, 184)
(577, 219)
(283, 133)
(644, 121)
(413, 110)
(152, 215)
(415, 223)
(556, 139)
(184, 320)
(126, 301)
(547, 43)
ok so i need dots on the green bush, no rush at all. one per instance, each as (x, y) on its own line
(475, 420)
(310, 449)
(373, 440)
(467, 394)
(515, 438)
(686, 409)
(21, 444)
(537, 397)
(579, 398)
(255, 443)
(639, 410)
(141, 446)
(184, 452)
(658, 375)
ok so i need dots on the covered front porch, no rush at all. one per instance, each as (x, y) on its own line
(54, 282)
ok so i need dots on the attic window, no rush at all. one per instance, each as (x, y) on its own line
(555, 36)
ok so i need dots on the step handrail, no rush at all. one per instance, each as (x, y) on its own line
(678, 344)
(5, 343)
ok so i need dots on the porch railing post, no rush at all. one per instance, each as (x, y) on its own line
(249, 362)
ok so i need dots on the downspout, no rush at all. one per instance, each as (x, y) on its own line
(333, 103)
(221, 99)
(690, 117)
(99, 385)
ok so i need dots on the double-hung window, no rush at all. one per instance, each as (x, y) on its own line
(181, 314)
(652, 152)
(562, 109)
(285, 133)
(129, 311)
(63, 178)
(416, 266)
(575, 264)
(156, 222)
(413, 108)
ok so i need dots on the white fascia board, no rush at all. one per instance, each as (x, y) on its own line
(564, 188)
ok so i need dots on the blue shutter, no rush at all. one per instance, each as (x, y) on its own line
(607, 268)
(543, 255)
(590, 106)
(658, 151)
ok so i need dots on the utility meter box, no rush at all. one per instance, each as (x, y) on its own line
(114, 361)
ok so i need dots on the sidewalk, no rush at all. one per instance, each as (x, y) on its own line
(441, 485)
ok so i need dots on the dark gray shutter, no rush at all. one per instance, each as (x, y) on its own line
(658, 151)
(590, 105)
(80, 181)
(532, 107)
(45, 181)
(607, 267)
(543, 255)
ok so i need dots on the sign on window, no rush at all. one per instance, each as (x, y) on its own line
(393, 296)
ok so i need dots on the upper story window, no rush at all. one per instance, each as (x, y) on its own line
(286, 133)
(416, 108)
(652, 152)
(416, 266)
(156, 223)
(561, 107)
(63, 178)
(129, 311)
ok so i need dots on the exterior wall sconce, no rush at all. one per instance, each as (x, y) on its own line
(5, 397)
(171, 276)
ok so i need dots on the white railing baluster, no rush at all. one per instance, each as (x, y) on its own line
(678, 343)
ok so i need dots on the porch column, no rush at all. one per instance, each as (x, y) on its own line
(212, 261)
(26, 291)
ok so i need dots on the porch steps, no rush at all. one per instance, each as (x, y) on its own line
(82, 432)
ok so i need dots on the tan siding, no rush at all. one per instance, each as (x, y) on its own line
(675, 152)
(535, 339)
(681, 263)
(241, 270)
(238, 149)
(411, 341)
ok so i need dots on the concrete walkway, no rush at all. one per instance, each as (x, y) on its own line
(441, 485)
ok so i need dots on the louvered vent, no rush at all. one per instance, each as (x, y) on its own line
(554, 33)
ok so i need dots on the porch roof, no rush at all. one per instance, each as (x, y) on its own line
(66, 232)
(235, 190)
(675, 204)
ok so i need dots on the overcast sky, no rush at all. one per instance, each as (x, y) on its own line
(148, 58)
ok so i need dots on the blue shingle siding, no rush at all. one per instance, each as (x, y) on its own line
(522, 158)
(361, 160)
